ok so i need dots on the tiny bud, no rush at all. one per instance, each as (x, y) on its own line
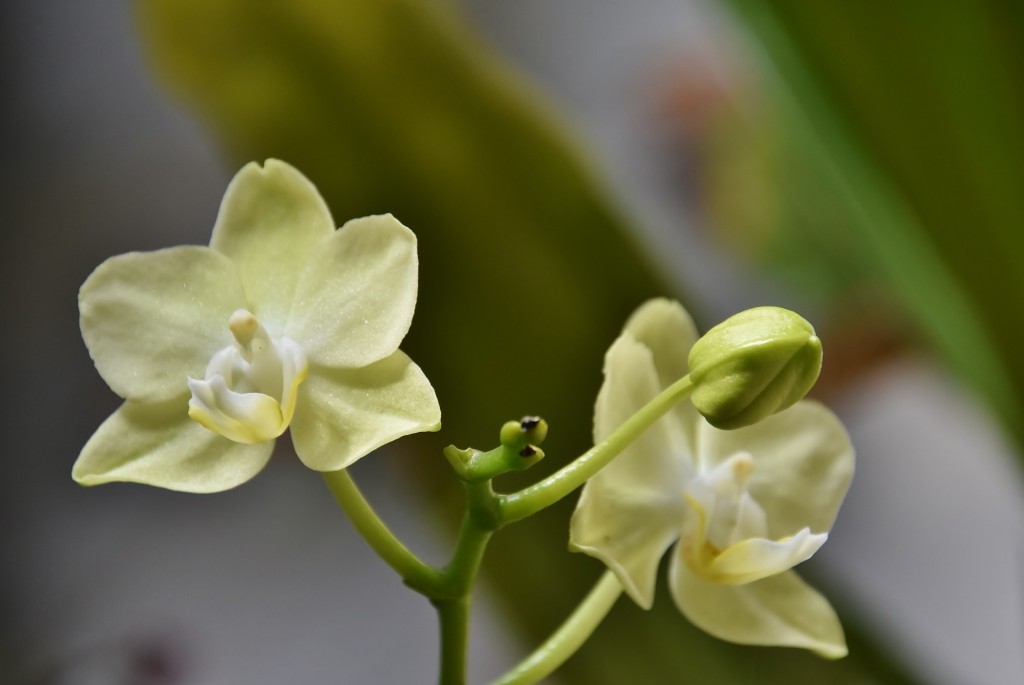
(512, 436)
(529, 430)
(535, 427)
(753, 365)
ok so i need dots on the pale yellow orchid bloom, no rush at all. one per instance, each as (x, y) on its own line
(282, 322)
(742, 506)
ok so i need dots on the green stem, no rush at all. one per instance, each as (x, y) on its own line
(416, 574)
(452, 595)
(453, 615)
(459, 574)
(449, 589)
(569, 637)
(528, 501)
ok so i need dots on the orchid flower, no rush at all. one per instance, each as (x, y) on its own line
(281, 323)
(742, 506)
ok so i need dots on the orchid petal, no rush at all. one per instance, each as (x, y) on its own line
(756, 558)
(628, 514)
(355, 301)
(248, 417)
(270, 223)
(344, 414)
(626, 531)
(804, 464)
(667, 330)
(781, 611)
(153, 319)
(158, 444)
(657, 459)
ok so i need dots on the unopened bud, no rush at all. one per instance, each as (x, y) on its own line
(530, 430)
(753, 365)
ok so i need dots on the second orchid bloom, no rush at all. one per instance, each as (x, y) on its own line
(742, 507)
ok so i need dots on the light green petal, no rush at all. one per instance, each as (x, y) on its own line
(356, 298)
(630, 512)
(343, 414)
(780, 611)
(158, 444)
(622, 528)
(803, 465)
(153, 319)
(667, 330)
(664, 327)
(658, 462)
(270, 222)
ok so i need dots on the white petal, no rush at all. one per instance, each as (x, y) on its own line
(153, 319)
(357, 294)
(342, 415)
(270, 222)
(160, 445)
(778, 611)
(803, 465)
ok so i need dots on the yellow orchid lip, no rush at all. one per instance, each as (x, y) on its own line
(249, 390)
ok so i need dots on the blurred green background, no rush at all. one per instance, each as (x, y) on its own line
(862, 164)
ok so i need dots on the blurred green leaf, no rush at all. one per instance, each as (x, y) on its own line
(527, 271)
(918, 110)
(795, 218)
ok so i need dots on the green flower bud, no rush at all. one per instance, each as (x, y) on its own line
(528, 431)
(753, 365)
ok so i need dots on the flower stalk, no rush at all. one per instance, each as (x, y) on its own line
(569, 637)
(416, 573)
(449, 588)
(530, 500)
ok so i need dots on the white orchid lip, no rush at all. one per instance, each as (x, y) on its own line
(249, 390)
(725, 530)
